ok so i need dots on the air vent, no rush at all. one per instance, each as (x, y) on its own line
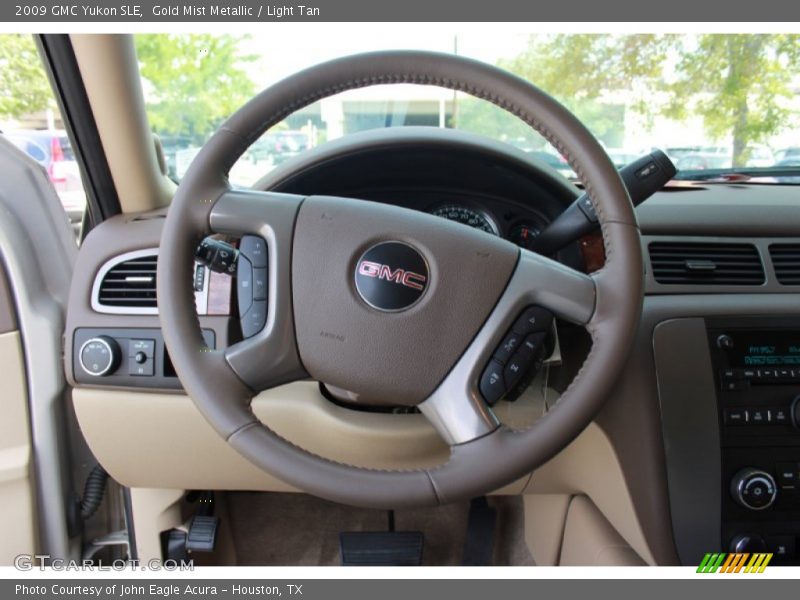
(786, 261)
(130, 283)
(689, 263)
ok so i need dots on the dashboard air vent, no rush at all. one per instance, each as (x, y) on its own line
(130, 283)
(701, 263)
(786, 261)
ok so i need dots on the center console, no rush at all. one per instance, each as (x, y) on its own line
(756, 364)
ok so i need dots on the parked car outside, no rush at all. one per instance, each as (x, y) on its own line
(51, 148)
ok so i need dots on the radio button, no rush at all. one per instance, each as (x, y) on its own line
(760, 416)
(736, 416)
(492, 384)
(780, 416)
(507, 347)
(733, 385)
(787, 474)
(534, 319)
(782, 546)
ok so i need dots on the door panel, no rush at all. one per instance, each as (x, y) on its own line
(17, 519)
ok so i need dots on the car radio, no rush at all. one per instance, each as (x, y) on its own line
(758, 399)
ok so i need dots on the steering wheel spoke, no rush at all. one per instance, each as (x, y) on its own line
(567, 293)
(268, 356)
(458, 409)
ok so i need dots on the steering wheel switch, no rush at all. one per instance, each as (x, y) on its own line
(518, 357)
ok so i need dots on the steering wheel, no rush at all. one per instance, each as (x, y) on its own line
(395, 305)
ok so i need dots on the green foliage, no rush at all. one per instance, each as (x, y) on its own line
(192, 82)
(23, 84)
(578, 69)
(581, 66)
(738, 83)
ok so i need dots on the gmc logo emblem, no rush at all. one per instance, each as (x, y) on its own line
(409, 279)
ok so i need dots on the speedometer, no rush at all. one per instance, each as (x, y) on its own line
(467, 216)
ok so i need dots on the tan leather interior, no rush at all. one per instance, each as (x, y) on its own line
(155, 510)
(590, 466)
(182, 451)
(545, 516)
(17, 519)
(590, 540)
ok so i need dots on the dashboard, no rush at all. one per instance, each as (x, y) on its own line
(696, 430)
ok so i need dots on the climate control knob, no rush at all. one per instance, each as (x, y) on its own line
(754, 489)
(99, 355)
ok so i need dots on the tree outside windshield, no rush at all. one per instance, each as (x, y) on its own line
(710, 101)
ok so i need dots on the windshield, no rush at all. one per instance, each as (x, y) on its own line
(715, 103)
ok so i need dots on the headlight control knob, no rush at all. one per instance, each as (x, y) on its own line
(100, 356)
(753, 488)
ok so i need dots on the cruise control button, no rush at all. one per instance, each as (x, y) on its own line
(259, 284)
(254, 319)
(533, 319)
(244, 285)
(492, 384)
(255, 249)
(508, 346)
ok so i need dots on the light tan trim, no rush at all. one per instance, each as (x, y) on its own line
(590, 540)
(545, 516)
(590, 466)
(110, 72)
(18, 517)
(154, 511)
(150, 440)
(162, 441)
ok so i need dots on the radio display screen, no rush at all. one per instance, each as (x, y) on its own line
(765, 349)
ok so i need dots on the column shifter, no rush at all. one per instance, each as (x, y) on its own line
(643, 177)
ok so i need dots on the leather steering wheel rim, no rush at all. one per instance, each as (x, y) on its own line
(484, 454)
